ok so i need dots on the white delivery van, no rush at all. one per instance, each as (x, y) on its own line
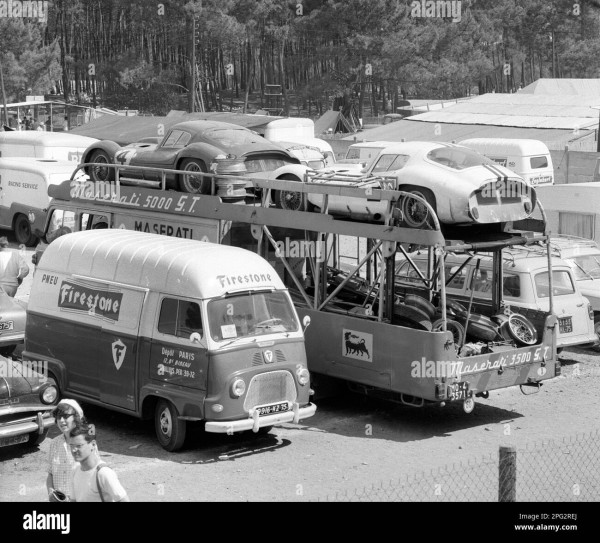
(24, 193)
(298, 130)
(44, 145)
(172, 329)
(529, 158)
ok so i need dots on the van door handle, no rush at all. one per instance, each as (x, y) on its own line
(580, 305)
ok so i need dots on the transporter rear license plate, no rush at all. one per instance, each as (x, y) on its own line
(272, 409)
(6, 325)
(565, 325)
(13, 440)
(458, 391)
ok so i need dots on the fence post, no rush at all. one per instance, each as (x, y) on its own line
(507, 474)
(567, 168)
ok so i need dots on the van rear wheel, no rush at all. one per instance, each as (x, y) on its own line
(170, 429)
(23, 233)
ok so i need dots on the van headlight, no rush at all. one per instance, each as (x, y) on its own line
(303, 376)
(238, 388)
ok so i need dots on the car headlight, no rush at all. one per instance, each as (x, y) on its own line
(238, 388)
(48, 394)
(303, 376)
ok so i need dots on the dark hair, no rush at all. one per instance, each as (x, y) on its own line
(88, 431)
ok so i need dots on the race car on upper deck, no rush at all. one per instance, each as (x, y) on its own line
(461, 186)
(192, 146)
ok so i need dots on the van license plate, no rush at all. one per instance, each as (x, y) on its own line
(6, 325)
(13, 440)
(565, 325)
(275, 408)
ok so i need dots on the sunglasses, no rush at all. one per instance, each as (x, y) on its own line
(64, 414)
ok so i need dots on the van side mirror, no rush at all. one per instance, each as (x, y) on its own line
(305, 323)
(195, 337)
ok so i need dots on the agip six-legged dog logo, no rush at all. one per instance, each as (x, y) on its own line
(358, 345)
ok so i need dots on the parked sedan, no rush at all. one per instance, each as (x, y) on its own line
(12, 323)
(27, 397)
(460, 185)
(191, 146)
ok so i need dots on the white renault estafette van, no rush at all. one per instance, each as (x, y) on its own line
(175, 329)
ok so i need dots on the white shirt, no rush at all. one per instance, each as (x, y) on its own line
(84, 487)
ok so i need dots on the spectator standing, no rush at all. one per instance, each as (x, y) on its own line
(68, 414)
(93, 480)
(13, 268)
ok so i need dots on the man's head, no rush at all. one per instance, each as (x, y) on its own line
(82, 441)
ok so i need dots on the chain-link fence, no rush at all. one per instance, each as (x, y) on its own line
(567, 470)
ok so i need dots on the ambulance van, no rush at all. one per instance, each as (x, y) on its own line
(44, 145)
(24, 197)
(175, 329)
(530, 159)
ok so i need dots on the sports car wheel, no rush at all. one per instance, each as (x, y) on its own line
(521, 329)
(100, 170)
(420, 302)
(415, 213)
(196, 184)
(284, 199)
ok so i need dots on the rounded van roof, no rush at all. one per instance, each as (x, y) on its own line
(47, 139)
(171, 265)
(506, 145)
(39, 165)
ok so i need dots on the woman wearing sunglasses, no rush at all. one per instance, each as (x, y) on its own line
(68, 415)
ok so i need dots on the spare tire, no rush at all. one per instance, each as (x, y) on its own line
(421, 303)
(457, 329)
(482, 332)
(457, 308)
(482, 319)
(412, 315)
(521, 329)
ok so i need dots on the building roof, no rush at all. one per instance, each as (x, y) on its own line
(562, 87)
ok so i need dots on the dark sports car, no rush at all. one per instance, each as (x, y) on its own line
(192, 146)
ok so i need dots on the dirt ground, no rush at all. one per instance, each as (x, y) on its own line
(350, 444)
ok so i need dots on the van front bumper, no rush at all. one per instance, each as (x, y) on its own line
(254, 421)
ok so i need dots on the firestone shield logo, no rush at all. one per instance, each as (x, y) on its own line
(268, 356)
(118, 353)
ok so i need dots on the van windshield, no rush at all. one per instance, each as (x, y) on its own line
(251, 314)
(585, 267)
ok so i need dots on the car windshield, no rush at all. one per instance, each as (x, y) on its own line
(251, 314)
(585, 267)
(387, 163)
(561, 284)
(457, 158)
(229, 137)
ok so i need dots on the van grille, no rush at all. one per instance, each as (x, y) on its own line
(270, 387)
(257, 359)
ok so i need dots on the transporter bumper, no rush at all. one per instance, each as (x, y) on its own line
(256, 421)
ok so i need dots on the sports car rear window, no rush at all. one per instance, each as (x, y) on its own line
(457, 159)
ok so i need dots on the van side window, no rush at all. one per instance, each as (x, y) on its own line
(511, 286)
(90, 221)
(61, 222)
(458, 281)
(539, 162)
(179, 318)
(405, 273)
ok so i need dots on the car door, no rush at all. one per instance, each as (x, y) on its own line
(165, 154)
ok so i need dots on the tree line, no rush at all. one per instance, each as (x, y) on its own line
(216, 54)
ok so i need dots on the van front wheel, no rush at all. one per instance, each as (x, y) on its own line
(23, 233)
(170, 429)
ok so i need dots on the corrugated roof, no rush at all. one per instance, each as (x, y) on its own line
(548, 86)
(413, 129)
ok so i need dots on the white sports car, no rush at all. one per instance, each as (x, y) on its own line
(461, 186)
